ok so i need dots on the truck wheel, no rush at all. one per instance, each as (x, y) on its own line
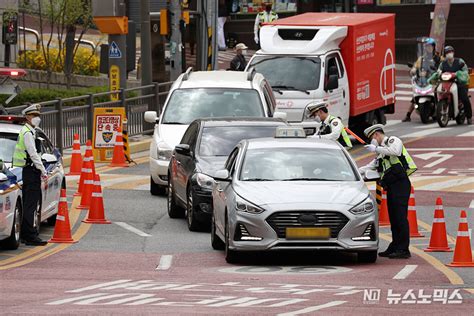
(13, 242)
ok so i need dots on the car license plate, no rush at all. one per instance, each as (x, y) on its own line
(308, 232)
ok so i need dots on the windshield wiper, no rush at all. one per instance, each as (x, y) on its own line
(307, 179)
(279, 88)
(258, 179)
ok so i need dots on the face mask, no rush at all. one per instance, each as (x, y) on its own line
(35, 121)
(374, 142)
(244, 52)
(317, 119)
(450, 56)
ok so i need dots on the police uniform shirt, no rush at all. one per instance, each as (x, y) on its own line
(391, 146)
(30, 146)
(335, 127)
(266, 19)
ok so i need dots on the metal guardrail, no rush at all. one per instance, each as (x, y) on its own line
(62, 118)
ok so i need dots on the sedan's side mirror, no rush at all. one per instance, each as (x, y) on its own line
(280, 115)
(49, 158)
(371, 175)
(183, 149)
(222, 175)
(333, 82)
(151, 117)
(3, 177)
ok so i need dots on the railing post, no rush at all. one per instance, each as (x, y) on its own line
(90, 117)
(60, 125)
(157, 97)
(123, 98)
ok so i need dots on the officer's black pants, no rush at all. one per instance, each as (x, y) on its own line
(31, 199)
(398, 194)
(463, 95)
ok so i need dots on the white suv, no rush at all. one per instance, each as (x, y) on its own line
(204, 94)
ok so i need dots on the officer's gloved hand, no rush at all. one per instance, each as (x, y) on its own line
(256, 39)
(371, 147)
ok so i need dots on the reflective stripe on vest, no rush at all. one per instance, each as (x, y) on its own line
(261, 18)
(410, 166)
(20, 155)
(344, 137)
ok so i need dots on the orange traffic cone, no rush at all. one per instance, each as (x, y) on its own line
(438, 239)
(96, 212)
(412, 220)
(62, 229)
(462, 251)
(88, 182)
(87, 163)
(381, 196)
(118, 159)
(76, 158)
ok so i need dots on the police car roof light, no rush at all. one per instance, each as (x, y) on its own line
(10, 72)
(290, 132)
(15, 119)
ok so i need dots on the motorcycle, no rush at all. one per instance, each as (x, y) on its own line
(448, 106)
(424, 97)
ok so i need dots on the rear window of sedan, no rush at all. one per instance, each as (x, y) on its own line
(296, 164)
(219, 141)
(186, 105)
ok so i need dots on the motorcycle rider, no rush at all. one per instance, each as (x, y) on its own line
(431, 57)
(458, 66)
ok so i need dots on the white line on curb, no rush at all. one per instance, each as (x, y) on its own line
(165, 262)
(405, 272)
(313, 308)
(132, 229)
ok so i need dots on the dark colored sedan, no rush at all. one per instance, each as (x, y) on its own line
(203, 150)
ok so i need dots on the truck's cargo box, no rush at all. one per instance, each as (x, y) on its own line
(368, 52)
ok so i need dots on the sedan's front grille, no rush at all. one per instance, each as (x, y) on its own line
(281, 220)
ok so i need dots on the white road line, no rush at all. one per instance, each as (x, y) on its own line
(403, 92)
(442, 149)
(439, 171)
(472, 204)
(165, 262)
(425, 126)
(97, 299)
(97, 286)
(426, 132)
(468, 134)
(405, 272)
(137, 297)
(69, 300)
(441, 185)
(397, 98)
(145, 301)
(132, 229)
(404, 85)
(313, 308)
(392, 122)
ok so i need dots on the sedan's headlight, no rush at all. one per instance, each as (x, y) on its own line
(164, 152)
(245, 206)
(367, 206)
(204, 181)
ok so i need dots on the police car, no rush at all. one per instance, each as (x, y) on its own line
(293, 193)
(11, 181)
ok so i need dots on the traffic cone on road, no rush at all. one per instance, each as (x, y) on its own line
(87, 163)
(381, 196)
(62, 229)
(438, 239)
(412, 220)
(118, 159)
(96, 211)
(88, 183)
(462, 252)
(76, 158)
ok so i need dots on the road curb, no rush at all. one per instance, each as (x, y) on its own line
(135, 147)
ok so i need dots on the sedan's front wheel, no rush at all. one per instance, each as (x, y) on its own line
(216, 242)
(231, 256)
(193, 223)
(174, 211)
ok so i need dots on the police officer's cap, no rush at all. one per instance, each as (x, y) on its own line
(369, 131)
(313, 107)
(32, 109)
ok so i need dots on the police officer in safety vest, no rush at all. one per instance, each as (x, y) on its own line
(394, 165)
(266, 16)
(27, 157)
(331, 126)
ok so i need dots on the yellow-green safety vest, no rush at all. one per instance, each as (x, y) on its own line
(346, 141)
(261, 18)
(405, 160)
(21, 155)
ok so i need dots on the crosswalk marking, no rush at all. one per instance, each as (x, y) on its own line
(402, 92)
(405, 272)
(426, 132)
(468, 134)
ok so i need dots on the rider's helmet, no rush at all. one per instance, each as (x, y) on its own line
(430, 41)
(448, 49)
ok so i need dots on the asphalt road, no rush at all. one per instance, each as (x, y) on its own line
(146, 263)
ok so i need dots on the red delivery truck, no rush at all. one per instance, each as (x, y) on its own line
(345, 59)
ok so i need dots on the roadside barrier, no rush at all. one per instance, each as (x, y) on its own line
(381, 197)
(412, 219)
(62, 229)
(76, 158)
(96, 212)
(462, 252)
(118, 159)
(438, 239)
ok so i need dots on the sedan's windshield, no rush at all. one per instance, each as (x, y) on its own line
(219, 141)
(296, 164)
(7, 146)
(288, 72)
(186, 105)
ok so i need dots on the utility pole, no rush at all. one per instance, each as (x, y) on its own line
(145, 38)
(176, 45)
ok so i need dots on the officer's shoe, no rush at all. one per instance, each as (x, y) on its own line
(469, 121)
(385, 253)
(400, 254)
(35, 242)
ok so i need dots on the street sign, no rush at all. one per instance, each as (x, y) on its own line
(114, 51)
(106, 123)
(114, 81)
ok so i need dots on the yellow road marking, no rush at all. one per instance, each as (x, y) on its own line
(470, 291)
(452, 276)
(128, 185)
